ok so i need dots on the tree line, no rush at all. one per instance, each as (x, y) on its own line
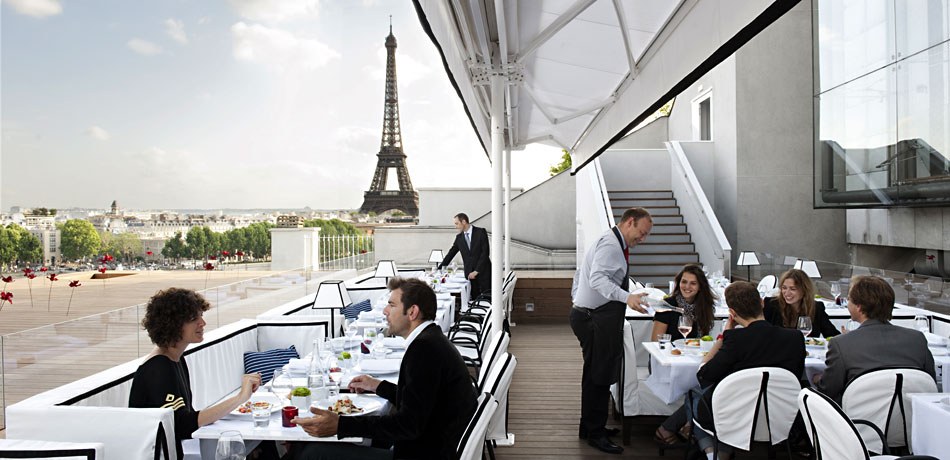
(17, 244)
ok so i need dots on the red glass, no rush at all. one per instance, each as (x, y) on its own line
(287, 414)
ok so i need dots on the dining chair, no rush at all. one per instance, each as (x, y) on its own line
(833, 434)
(882, 397)
(756, 404)
(497, 383)
(471, 349)
(497, 347)
(472, 443)
(766, 284)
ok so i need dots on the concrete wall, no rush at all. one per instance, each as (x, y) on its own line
(921, 228)
(544, 215)
(774, 150)
(437, 206)
(651, 136)
(713, 161)
(636, 169)
(593, 216)
(411, 246)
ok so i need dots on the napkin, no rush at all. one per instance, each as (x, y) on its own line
(394, 342)
(298, 366)
(380, 366)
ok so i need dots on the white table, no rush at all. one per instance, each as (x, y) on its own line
(930, 419)
(444, 315)
(672, 376)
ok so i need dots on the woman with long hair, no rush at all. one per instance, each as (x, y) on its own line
(692, 295)
(797, 298)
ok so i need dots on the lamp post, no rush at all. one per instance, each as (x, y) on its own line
(331, 295)
(748, 259)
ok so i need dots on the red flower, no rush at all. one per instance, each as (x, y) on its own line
(225, 253)
(30, 275)
(208, 266)
(43, 269)
(27, 271)
(240, 253)
(74, 284)
(52, 277)
(213, 258)
(7, 279)
(102, 270)
(109, 258)
(149, 252)
(8, 296)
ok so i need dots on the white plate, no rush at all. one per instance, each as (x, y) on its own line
(260, 397)
(939, 352)
(380, 366)
(369, 405)
(681, 343)
(816, 342)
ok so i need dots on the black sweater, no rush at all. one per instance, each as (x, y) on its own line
(820, 324)
(432, 404)
(161, 382)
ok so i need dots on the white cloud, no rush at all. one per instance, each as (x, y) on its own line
(276, 10)
(144, 47)
(175, 29)
(278, 48)
(36, 8)
(98, 133)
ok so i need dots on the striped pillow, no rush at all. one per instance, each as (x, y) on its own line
(266, 362)
(353, 310)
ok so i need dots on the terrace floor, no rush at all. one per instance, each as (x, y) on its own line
(544, 402)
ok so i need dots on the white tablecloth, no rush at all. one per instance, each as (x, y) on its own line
(929, 426)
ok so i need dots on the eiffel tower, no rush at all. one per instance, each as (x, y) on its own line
(390, 155)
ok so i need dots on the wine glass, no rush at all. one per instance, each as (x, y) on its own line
(685, 325)
(281, 385)
(230, 446)
(369, 338)
(852, 325)
(804, 325)
(835, 290)
(922, 324)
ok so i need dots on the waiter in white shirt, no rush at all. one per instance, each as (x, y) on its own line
(600, 295)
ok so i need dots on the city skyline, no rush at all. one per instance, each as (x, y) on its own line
(240, 104)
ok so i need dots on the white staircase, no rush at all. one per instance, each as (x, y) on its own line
(668, 247)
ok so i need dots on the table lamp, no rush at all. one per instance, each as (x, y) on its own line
(748, 259)
(436, 257)
(385, 269)
(331, 295)
(809, 267)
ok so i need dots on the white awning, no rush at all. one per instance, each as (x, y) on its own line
(582, 73)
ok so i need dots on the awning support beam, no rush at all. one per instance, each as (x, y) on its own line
(574, 11)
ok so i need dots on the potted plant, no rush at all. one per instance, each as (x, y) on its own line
(706, 343)
(301, 398)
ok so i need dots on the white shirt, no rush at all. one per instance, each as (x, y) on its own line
(597, 281)
(417, 331)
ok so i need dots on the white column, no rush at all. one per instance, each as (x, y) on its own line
(507, 211)
(497, 164)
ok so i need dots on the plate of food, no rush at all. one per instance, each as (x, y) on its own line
(816, 342)
(258, 400)
(686, 343)
(350, 405)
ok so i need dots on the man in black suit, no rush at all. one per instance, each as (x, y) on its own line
(472, 242)
(757, 344)
(432, 403)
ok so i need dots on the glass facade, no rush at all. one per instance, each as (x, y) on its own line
(882, 103)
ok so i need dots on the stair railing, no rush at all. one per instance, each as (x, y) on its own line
(711, 243)
(594, 214)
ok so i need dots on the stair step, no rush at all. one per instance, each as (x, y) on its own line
(655, 268)
(651, 247)
(660, 229)
(660, 219)
(642, 194)
(655, 237)
(653, 208)
(664, 258)
(631, 202)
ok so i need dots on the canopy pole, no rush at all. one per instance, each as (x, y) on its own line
(498, 83)
(507, 211)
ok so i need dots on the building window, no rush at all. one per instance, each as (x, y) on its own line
(702, 115)
(882, 111)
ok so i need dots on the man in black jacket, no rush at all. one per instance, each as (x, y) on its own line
(472, 242)
(757, 344)
(432, 403)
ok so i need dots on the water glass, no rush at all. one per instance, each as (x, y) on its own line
(852, 325)
(649, 286)
(665, 340)
(261, 416)
(333, 390)
(230, 446)
(921, 323)
(804, 325)
(380, 352)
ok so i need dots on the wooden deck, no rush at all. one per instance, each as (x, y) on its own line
(544, 402)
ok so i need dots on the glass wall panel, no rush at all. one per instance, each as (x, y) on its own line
(923, 117)
(919, 24)
(853, 39)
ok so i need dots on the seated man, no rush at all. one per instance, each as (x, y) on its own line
(432, 403)
(757, 344)
(875, 344)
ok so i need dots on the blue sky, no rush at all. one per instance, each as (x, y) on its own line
(222, 103)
